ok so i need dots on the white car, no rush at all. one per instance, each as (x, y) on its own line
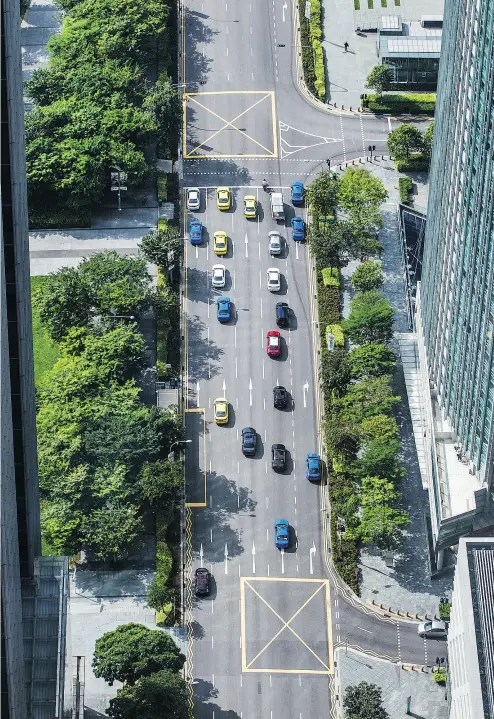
(218, 275)
(433, 629)
(274, 282)
(274, 243)
(193, 198)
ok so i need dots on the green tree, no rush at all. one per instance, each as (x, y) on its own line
(342, 438)
(322, 194)
(361, 194)
(380, 426)
(160, 695)
(159, 595)
(368, 276)
(162, 246)
(117, 285)
(364, 701)
(165, 107)
(161, 482)
(63, 302)
(132, 651)
(428, 138)
(381, 524)
(403, 140)
(379, 79)
(335, 245)
(336, 373)
(366, 398)
(111, 531)
(379, 458)
(371, 360)
(370, 319)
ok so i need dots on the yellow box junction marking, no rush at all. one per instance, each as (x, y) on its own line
(323, 584)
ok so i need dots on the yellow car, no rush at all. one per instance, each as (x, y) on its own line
(250, 206)
(223, 198)
(220, 242)
(220, 407)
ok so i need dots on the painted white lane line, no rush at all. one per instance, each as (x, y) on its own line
(226, 558)
(389, 124)
(236, 367)
(227, 52)
(250, 391)
(365, 630)
(263, 370)
(253, 558)
(211, 540)
(282, 561)
(262, 336)
(261, 307)
(260, 280)
(235, 340)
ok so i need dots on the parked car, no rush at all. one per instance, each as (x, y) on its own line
(280, 397)
(281, 533)
(274, 279)
(275, 245)
(313, 467)
(249, 441)
(195, 232)
(298, 229)
(218, 276)
(297, 192)
(273, 343)
(193, 198)
(433, 630)
(282, 314)
(278, 457)
(223, 309)
(202, 582)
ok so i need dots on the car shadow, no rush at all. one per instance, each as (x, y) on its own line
(259, 448)
(292, 541)
(260, 211)
(232, 417)
(293, 322)
(288, 463)
(283, 356)
(283, 286)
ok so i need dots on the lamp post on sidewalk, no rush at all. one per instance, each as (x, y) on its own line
(171, 453)
(117, 178)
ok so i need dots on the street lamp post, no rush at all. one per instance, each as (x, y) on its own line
(171, 453)
(120, 175)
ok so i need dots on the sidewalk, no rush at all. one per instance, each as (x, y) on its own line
(427, 698)
(407, 586)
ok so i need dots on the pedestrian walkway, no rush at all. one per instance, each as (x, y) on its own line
(402, 582)
(427, 699)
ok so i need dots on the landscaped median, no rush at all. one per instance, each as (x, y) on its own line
(311, 47)
(361, 434)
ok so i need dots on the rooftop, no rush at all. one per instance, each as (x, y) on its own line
(404, 46)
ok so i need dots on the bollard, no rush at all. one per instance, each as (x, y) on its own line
(350, 108)
(342, 107)
(360, 161)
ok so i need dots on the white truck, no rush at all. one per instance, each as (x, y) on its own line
(277, 208)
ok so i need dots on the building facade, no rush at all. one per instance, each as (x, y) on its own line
(456, 295)
(471, 632)
(34, 590)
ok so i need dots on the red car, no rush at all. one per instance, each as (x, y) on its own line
(273, 343)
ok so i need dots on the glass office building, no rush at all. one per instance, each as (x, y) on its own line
(457, 289)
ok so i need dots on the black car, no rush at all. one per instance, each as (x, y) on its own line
(282, 314)
(280, 397)
(249, 441)
(278, 457)
(202, 579)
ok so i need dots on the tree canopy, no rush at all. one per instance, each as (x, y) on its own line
(364, 701)
(379, 78)
(403, 140)
(368, 276)
(371, 360)
(162, 246)
(132, 651)
(366, 398)
(160, 695)
(370, 319)
(361, 194)
(322, 194)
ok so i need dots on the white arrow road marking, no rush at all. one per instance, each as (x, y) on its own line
(226, 558)
(282, 561)
(201, 556)
(306, 389)
(296, 250)
(198, 389)
(253, 558)
(312, 552)
(285, 6)
(224, 387)
(250, 391)
(246, 245)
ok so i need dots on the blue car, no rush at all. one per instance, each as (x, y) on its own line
(313, 467)
(281, 533)
(298, 229)
(195, 232)
(297, 193)
(223, 309)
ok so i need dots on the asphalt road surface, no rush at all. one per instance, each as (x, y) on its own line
(262, 642)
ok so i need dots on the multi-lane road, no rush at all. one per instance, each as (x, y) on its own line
(261, 645)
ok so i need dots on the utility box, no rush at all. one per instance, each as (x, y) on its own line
(277, 207)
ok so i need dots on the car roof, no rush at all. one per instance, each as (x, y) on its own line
(248, 430)
(195, 222)
(219, 267)
(273, 269)
(193, 189)
(297, 183)
(282, 522)
(223, 300)
(220, 233)
(249, 197)
(223, 189)
(274, 233)
(312, 455)
(278, 446)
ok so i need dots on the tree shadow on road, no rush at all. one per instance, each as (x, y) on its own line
(203, 361)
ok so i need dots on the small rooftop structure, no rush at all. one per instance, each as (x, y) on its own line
(410, 47)
(390, 24)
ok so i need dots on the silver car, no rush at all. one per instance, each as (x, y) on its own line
(193, 198)
(274, 279)
(433, 630)
(274, 243)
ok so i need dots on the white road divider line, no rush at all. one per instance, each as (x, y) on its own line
(253, 558)
(226, 558)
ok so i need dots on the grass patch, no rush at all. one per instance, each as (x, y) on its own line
(46, 352)
(330, 277)
(384, 3)
(397, 3)
(370, 4)
(416, 162)
(356, 4)
(414, 103)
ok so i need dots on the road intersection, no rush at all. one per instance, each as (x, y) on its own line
(262, 643)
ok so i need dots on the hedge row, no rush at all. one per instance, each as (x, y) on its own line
(60, 218)
(415, 163)
(164, 564)
(330, 277)
(338, 336)
(416, 104)
(312, 51)
(406, 185)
